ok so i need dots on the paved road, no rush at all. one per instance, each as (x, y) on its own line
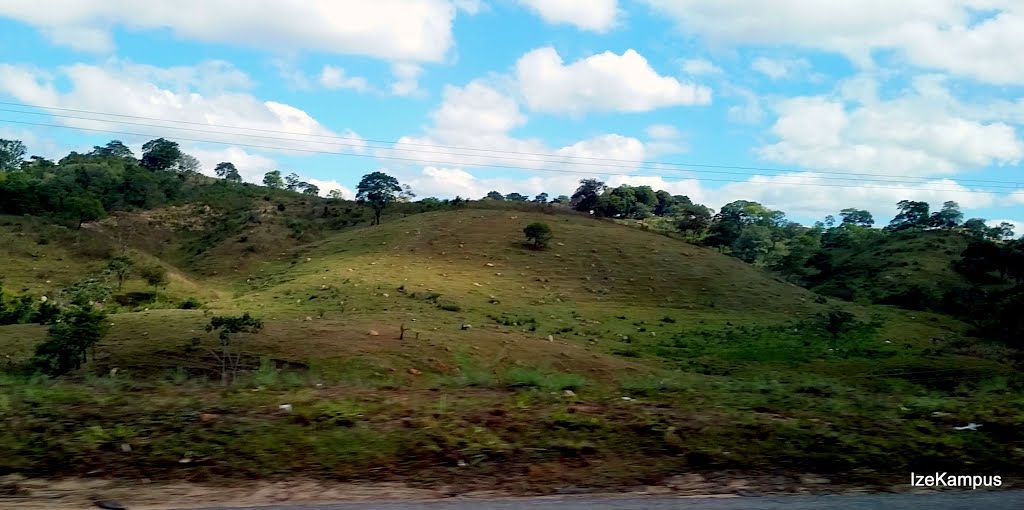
(1006, 500)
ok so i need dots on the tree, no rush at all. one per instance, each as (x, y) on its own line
(541, 198)
(113, 149)
(693, 219)
(561, 200)
(912, 215)
(516, 197)
(378, 189)
(948, 217)
(84, 208)
(837, 322)
(226, 327)
(538, 234)
(646, 196)
(155, 275)
(292, 181)
(335, 194)
(976, 227)
(665, 205)
(160, 155)
(69, 340)
(1000, 232)
(587, 195)
(311, 189)
(753, 243)
(121, 268)
(858, 217)
(494, 195)
(12, 154)
(227, 171)
(272, 179)
(187, 165)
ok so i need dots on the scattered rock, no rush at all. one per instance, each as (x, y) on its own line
(373, 332)
(569, 393)
(814, 480)
(208, 417)
(285, 408)
(477, 284)
(126, 448)
(308, 319)
(385, 294)
(467, 326)
(551, 338)
(413, 371)
(489, 264)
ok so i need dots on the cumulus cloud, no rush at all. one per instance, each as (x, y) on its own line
(400, 30)
(208, 94)
(328, 185)
(934, 34)
(592, 15)
(910, 135)
(606, 82)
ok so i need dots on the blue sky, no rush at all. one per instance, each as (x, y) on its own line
(805, 106)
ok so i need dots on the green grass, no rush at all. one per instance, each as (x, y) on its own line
(722, 365)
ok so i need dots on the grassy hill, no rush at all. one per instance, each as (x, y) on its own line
(614, 357)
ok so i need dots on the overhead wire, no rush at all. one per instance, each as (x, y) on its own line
(422, 160)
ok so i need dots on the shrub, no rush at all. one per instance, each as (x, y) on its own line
(450, 307)
(190, 304)
(68, 341)
(538, 234)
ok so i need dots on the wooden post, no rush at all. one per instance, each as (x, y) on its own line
(401, 335)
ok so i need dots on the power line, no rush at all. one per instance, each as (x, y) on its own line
(488, 165)
(353, 145)
(562, 159)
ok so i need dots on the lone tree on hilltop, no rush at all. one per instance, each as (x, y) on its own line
(379, 189)
(538, 234)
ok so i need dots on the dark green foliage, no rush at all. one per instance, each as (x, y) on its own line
(227, 171)
(121, 268)
(837, 322)
(155, 275)
(68, 341)
(913, 215)
(494, 195)
(379, 189)
(516, 197)
(310, 189)
(160, 155)
(272, 179)
(12, 154)
(541, 198)
(538, 234)
(857, 217)
(587, 195)
(292, 182)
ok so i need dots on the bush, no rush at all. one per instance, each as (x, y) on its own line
(450, 307)
(538, 234)
(68, 341)
(155, 275)
(190, 304)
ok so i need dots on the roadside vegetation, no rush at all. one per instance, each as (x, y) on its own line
(167, 325)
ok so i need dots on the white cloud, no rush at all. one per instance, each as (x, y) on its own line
(335, 78)
(173, 94)
(480, 117)
(407, 77)
(914, 134)
(605, 82)
(326, 186)
(936, 34)
(777, 69)
(700, 67)
(593, 15)
(250, 166)
(810, 194)
(401, 30)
